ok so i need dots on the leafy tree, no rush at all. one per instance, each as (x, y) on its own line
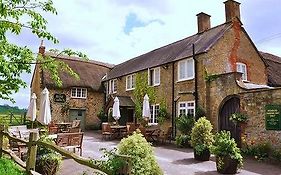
(15, 16)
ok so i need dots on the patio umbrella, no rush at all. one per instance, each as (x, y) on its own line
(116, 111)
(31, 112)
(146, 107)
(44, 110)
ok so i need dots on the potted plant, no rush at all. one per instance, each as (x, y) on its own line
(228, 156)
(185, 124)
(202, 139)
(239, 119)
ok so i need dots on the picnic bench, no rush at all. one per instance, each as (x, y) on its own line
(70, 141)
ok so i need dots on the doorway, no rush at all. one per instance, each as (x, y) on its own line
(78, 114)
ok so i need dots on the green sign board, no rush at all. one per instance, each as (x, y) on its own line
(273, 117)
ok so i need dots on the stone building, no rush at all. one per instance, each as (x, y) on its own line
(218, 69)
(79, 98)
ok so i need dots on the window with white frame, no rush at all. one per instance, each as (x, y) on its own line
(186, 108)
(185, 69)
(78, 93)
(154, 111)
(154, 76)
(241, 67)
(130, 82)
(112, 86)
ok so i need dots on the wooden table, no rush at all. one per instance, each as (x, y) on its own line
(117, 129)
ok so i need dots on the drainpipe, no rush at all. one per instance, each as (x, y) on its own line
(195, 94)
(173, 105)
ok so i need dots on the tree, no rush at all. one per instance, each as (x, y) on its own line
(16, 15)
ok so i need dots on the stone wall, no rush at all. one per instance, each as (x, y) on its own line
(253, 105)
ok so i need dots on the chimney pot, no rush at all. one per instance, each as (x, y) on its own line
(232, 10)
(42, 48)
(203, 21)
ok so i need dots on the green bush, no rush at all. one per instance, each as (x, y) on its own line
(143, 160)
(225, 146)
(185, 124)
(47, 161)
(276, 155)
(8, 167)
(201, 135)
(183, 141)
(259, 151)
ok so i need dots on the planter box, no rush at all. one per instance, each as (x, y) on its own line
(226, 165)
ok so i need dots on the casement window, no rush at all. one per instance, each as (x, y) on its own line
(78, 93)
(185, 69)
(241, 67)
(154, 76)
(154, 111)
(112, 86)
(186, 108)
(130, 82)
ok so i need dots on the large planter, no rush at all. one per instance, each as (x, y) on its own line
(204, 156)
(226, 165)
(46, 167)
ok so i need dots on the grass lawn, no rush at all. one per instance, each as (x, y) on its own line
(5, 119)
(8, 167)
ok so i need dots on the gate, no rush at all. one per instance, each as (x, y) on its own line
(229, 106)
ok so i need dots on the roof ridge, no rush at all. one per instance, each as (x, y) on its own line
(134, 58)
(75, 58)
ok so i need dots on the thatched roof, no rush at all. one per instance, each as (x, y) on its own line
(90, 73)
(273, 63)
(172, 52)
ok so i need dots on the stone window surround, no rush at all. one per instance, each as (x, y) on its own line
(132, 82)
(154, 110)
(76, 94)
(244, 72)
(152, 76)
(185, 61)
(186, 107)
(112, 86)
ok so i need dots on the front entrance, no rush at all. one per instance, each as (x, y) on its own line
(229, 106)
(78, 114)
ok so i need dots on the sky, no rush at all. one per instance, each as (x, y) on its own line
(114, 31)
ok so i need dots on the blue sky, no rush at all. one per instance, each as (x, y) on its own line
(114, 31)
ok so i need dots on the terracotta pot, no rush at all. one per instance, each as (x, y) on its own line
(204, 156)
(226, 165)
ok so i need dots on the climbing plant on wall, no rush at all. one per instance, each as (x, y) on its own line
(140, 90)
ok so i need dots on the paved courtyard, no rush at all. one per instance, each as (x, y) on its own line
(172, 160)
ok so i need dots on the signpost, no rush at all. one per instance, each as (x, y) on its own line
(273, 117)
(61, 98)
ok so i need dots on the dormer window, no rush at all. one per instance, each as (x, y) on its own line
(242, 68)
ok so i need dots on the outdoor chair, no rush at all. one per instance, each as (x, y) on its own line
(70, 141)
(106, 131)
(53, 128)
(165, 136)
(72, 130)
(17, 147)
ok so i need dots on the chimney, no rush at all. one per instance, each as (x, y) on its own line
(42, 48)
(203, 21)
(232, 10)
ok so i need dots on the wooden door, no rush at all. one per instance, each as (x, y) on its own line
(229, 107)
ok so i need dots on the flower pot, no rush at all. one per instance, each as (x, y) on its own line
(204, 156)
(226, 165)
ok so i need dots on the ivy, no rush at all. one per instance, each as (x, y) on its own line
(210, 77)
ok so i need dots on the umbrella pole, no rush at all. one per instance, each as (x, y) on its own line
(32, 125)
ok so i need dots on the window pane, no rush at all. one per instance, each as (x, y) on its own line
(182, 71)
(157, 76)
(182, 112)
(133, 81)
(83, 92)
(128, 82)
(79, 93)
(151, 77)
(156, 112)
(182, 104)
(73, 92)
(190, 68)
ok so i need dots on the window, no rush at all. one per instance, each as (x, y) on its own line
(79, 93)
(185, 69)
(154, 110)
(154, 76)
(130, 82)
(112, 86)
(186, 108)
(241, 67)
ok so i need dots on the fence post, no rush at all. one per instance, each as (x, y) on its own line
(32, 152)
(2, 128)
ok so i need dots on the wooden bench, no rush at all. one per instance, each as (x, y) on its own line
(70, 141)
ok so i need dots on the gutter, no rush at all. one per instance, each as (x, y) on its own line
(173, 103)
(195, 94)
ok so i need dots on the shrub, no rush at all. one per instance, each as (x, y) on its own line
(47, 161)
(259, 151)
(276, 155)
(185, 124)
(183, 141)
(201, 135)
(225, 146)
(143, 160)
(8, 167)
(238, 118)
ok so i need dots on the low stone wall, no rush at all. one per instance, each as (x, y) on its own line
(253, 104)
